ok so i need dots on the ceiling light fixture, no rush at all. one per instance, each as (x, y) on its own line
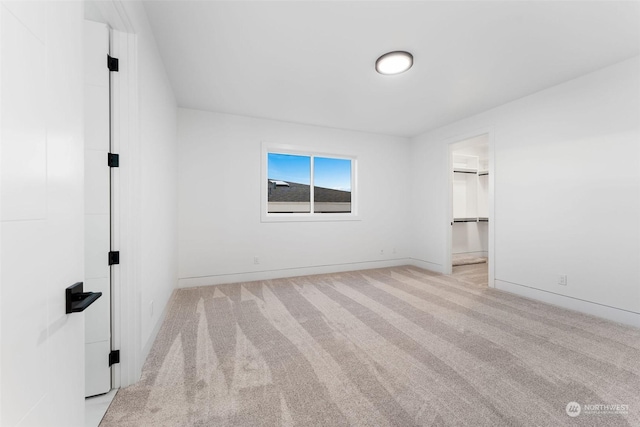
(394, 62)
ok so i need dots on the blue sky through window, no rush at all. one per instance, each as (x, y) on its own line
(332, 173)
(329, 173)
(290, 168)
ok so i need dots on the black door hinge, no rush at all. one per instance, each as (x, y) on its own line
(114, 357)
(113, 160)
(114, 257)
(112, 63)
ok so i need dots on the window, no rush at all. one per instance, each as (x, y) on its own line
(331, 185)
(289, 183)
(307, 186)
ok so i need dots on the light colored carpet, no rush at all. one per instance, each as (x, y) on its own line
(386, 347)
(473, 274)
(464, 259)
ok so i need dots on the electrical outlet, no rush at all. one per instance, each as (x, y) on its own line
(256, 260)
(151, 308)
(394, 250)
(562, 280)
(381, 251)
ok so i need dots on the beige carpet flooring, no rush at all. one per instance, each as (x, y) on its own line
(387, 347)
(465, 259)
(472, 274)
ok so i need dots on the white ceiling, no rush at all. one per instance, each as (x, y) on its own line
(313, 62)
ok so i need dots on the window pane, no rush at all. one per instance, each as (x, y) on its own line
(289, 178)
(332, 185)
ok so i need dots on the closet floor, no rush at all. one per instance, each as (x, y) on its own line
(473, 274)
(465, 259)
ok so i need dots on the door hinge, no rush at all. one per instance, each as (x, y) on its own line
(112, 63)
(114, 257)
(114, 357)
(113, 160)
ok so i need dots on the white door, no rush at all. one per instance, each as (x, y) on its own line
(41, 213)
(97, 209)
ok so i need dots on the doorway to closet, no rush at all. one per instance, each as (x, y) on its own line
(469, 219)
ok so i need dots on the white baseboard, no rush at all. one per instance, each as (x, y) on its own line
(426, 265)
(218, 279)
(154, 332)
(479, 254)
(611, 313)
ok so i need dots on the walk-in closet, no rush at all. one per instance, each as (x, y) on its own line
(470, 200)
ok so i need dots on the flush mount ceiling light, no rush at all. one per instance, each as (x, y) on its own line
(394, 62)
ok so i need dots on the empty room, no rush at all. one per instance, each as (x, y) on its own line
(319, 213)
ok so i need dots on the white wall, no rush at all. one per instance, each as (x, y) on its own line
(42, 352)
(146, 183)
(567, 199)
(470, 238)
(158, 172)
(220, 228)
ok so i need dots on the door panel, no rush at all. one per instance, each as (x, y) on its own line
(97, 118)
(94, 330)
(26, 357)
(96, 246)
(96, 183)
(97, 209)
(42, 250)
(24, 143)
(97, 370)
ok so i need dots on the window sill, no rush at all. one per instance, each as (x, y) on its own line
(309, 217)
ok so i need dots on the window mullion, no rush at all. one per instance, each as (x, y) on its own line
(311, 192)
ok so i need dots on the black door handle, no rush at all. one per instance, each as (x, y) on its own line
(77, 300)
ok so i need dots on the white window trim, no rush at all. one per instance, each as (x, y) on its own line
(304, 217)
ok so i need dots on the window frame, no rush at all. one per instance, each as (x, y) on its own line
(266, 216)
